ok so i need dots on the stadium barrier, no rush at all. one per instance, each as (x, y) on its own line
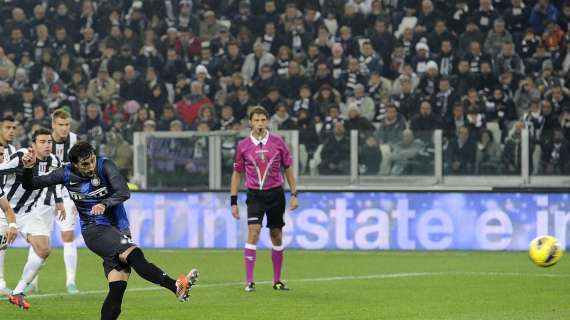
(354, 220)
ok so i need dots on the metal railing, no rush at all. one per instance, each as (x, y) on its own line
(187, 175)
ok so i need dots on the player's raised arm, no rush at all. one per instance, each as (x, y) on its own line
(29, 182)
(120, 189)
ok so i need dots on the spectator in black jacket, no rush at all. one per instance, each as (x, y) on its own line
(461, 154)
(132, 87)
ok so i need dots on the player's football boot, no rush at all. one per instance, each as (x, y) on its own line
(20, 301)
(184, 285)
(250, 287)
(72, 288)
(280, 286)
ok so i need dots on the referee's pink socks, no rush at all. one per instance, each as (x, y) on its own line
(249, 258)
(277, 259)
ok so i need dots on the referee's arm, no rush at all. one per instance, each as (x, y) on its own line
(290, 175)
(234, 188)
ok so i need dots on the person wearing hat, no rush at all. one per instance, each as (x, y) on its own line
(430, 79)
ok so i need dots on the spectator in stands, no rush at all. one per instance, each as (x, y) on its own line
(335, 154)
(405, 154)
(254, 61)
(363, 102)
(102, 88)
(542, 11)
(305, 102)
(512, 154)
(369, 157)
(461, 154)
(392, 126)
(425, 123)
(488, 157)
(357, 122)
(407, 100)
(497, 37)
(555, 154)
(281, 120)
(325, 98)
(242, 103)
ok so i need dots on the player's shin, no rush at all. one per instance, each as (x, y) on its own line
(112, 306)
(70, 259)
(249, 254)
(149, 271)
(277, 259)
(31, 269)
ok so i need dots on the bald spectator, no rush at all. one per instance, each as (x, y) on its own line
(132, 87)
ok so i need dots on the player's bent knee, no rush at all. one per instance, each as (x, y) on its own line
(67, 236)
(124, 255)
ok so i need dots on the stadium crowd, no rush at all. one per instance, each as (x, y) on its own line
(396, 70)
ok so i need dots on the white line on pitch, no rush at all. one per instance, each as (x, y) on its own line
(338, 278)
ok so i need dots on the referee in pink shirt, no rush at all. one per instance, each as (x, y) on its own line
(261, 156)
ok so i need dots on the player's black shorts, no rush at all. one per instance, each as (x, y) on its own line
(270, 202)
(108, 242)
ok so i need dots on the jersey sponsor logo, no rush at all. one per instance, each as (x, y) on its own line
(95, 181)
(99, 193)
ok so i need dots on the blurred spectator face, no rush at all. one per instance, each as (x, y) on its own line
(534, 108)
(463, 66)
(284, 53)
(305, 92)
(446, 46)
(345, 33)
(281, 111)
(359, 91)
(171, 55)
(519, 126)
(334, 113)
(290, 12)
(87, 8)
(203, 127)
(440, 27)
(16, 35)
(18, 15)
(498, 94)
(349, 9)
(270, 29)
(443, 85)
(258, 50)
(149, 127)
(115, 32)
(273, 95)
(565, 9)
(367, 49)
(312, 51)
(92, 112)
(206, 54)
(207, 114)
(28, 96)
(507, 49)
(406, 86)
(558, 136)
(227, 112)
(270, 7)
(266, 72)
(427, 7)
(371, 141)
(486, 68)
(243, 95)
(458, 112)
(42, 32)
(62, 9)
(499, 26)
(176, 126)
(129, 73)
(471, 27)
(485, 138)
(39, 12)
(546, 108)
(339, 129)
(322, 70)
(463, 135)
(88, 34)
(39, 112)
(475, 47)
(293, 68)
(196, 88)
(391, 114)
(485, 4)
(4, 73)
(233, 50)
(407, 137)
(4, 88)
(60, 34)
(168, 113)
(425, 108)
(557, 93)
(210, 18)
(326, 93)
(142, 115)
(408, 34)
(353, 65)
(125, 51)
(380, 26)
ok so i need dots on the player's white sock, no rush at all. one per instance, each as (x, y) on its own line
(2, 281)
(70, 259)
(35, 280)
(31, 269)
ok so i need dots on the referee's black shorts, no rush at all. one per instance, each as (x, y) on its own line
(270, 202)
(108, 243)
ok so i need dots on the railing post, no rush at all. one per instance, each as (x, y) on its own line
(438, 150)
(525, 154)
(353, 157)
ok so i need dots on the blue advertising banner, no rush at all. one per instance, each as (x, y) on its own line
(355, 221)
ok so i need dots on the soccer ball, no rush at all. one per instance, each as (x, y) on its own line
(544, 251)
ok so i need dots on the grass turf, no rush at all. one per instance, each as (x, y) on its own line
(324, 285)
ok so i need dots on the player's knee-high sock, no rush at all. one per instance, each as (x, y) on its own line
(35, 280)
(70, 259)
(31, 269)
(2, 281)
(149, 271)
(277, 259)
(249, 257)
(112, 305)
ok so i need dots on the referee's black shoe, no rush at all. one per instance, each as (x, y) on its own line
(280, 286)
(250, 287)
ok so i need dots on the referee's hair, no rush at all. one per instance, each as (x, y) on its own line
(60, 114)
(80, 150)
(258, 110)
(40, 132)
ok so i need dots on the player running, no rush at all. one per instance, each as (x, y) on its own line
(98, 191)
(261, 156)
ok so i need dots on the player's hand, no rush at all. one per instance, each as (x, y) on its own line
(294, 203)
(60, 211)
(29, 158)
(11, 234)
(235, 211)
(98, 209)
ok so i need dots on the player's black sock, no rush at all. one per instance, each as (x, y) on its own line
(112, 305)
(149, 271)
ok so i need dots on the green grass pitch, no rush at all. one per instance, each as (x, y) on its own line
(324, 285)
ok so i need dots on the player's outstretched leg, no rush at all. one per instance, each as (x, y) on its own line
(112, 306)
(134, 256)
(3, 288)
(35, 261)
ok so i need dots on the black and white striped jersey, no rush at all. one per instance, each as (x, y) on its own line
(8, 151)
(22, 200)
(61, 149)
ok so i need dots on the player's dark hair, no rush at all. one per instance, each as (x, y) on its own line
(40, 132)
(258, 110)
(8, 118)
(80, 150)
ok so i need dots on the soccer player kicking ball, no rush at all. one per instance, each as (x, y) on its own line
(98, 191)
(261, 156)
